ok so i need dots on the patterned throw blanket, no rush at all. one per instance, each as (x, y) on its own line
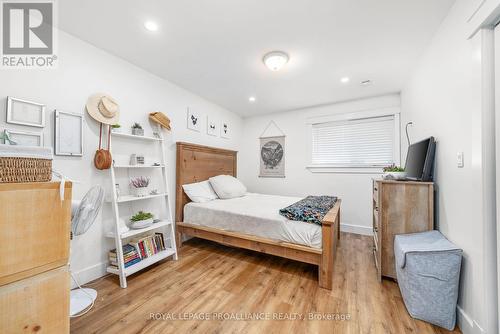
(311, 209)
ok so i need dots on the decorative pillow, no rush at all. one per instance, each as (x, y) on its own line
(200, 192)
(227, 186)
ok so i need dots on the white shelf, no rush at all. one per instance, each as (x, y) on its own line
(143, 263)
(132, 232)
(131, 136)
(138, 166)
(130, 198)
(165, 225)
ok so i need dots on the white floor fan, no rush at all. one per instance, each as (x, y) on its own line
(83, 215)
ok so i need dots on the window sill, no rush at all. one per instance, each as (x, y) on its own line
(344, 170)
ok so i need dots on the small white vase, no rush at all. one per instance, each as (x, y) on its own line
(394, 175)
(140, 192)
(141, 223)
(137, 132)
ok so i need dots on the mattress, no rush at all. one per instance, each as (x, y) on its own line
(254, 214)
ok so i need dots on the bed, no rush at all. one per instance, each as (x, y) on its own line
(252, 221)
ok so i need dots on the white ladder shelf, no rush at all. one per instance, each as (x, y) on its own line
(165, 224)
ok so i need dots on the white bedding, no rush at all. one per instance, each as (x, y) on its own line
(254, 214)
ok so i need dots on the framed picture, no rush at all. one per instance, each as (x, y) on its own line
(272, 156)
(68, 133)
(25, 112)
(193, 120)
(212, 127)
(22, 138)
(224, 130)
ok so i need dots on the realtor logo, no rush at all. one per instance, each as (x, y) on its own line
(28, 34)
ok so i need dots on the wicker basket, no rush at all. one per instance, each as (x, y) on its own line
(25, 170)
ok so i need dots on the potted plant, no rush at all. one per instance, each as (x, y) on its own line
(141, 220)
(140, 186)
(137, 130)
(116, 128)
(394, 172)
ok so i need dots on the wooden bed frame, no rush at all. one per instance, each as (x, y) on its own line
(197, 163)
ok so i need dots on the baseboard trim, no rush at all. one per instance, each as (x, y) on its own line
(466, 324)
(88, 274)
(356, 229)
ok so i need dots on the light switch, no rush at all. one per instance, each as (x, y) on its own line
(460, 159)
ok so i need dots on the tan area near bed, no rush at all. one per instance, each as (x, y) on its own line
(197, 163)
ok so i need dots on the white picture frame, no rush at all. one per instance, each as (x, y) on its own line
(68, 133)
(193, 120)
(24, 112)
(225, 130)
(212, 127)
(23, 138)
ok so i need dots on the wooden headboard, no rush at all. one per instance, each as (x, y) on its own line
(196, 163)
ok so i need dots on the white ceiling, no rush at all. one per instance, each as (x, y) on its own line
(214, 48)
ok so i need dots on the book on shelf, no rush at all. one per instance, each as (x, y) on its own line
(139, 248)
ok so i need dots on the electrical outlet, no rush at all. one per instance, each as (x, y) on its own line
(460, 159)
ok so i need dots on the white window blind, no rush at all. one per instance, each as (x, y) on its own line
(367, 142)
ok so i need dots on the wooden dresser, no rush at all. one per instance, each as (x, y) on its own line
(34, 250)
(399, 207)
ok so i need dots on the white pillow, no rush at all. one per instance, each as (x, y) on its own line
(200, 192)
(227, 186)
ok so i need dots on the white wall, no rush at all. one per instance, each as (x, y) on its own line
(84, 70)
(353, 188)
(443, 99)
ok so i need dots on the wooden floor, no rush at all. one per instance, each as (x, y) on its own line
(225, 285)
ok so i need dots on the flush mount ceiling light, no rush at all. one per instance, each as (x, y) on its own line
(275, 60)
(345, 80)
(252, 99)
(151, 26)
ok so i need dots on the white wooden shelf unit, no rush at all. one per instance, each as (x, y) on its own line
(165, 225)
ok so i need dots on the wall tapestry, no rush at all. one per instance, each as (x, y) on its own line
(272, 156)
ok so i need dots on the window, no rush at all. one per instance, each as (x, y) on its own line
(359, 143)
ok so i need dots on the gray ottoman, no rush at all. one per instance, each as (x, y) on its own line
(428, 270)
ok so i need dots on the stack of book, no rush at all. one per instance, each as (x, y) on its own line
(139, 248)
(149, 245)
(130, 256)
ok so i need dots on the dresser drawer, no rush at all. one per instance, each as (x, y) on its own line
(35, 227)
(36, 304)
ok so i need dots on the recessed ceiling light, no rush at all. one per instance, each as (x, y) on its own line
(252, 99)
(275, 60)
(345, 80)
(151, 26)
(366, 82)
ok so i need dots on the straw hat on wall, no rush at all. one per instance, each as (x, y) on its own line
(160, 118)
(103, 108)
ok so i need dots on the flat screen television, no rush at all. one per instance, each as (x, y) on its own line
(420, 160)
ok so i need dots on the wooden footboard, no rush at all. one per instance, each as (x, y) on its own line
(246, 241)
